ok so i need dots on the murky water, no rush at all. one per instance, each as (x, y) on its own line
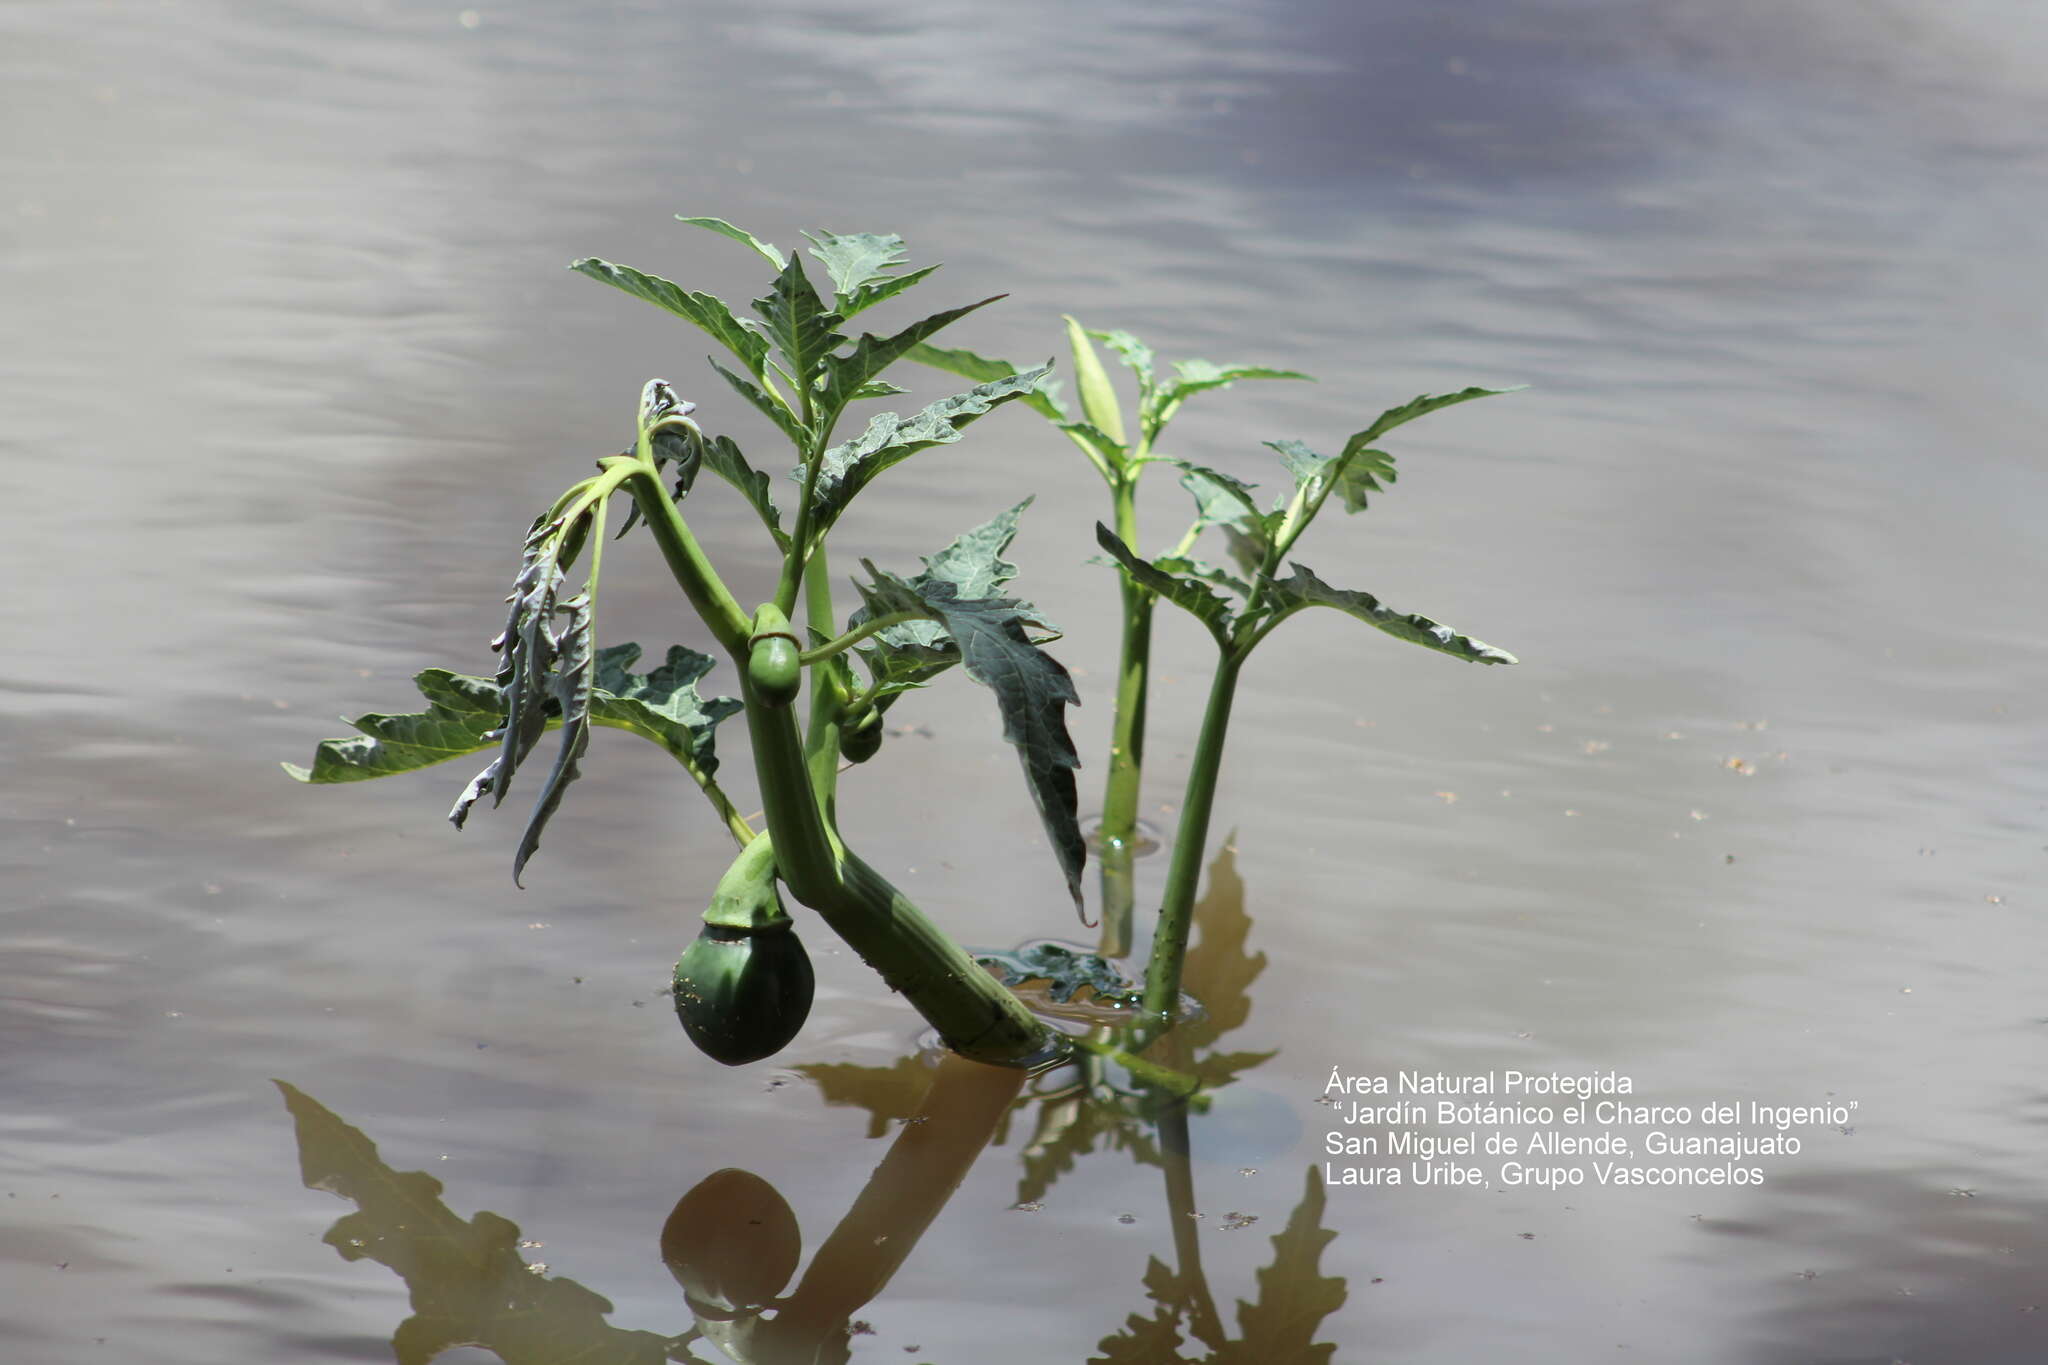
(291, 357)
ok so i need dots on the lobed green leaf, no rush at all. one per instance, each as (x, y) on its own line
(799, 323)
(983, 369)
(1190, 594)
(891, 439)
(1303, 590)
(705, 311)
(725, 229)
(863, 267)
(845, 376)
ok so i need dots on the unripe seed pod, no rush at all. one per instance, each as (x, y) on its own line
(773, 666)
(743, 994)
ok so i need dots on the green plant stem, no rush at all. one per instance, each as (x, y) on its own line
(692, 571)
(873, 626)
(1116, 836)
(828, 697)
(975, 1016)
(1190, 842)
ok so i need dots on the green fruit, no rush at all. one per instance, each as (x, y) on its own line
(732, 1241)
(774, 669)
(861, 741)
(742, 994)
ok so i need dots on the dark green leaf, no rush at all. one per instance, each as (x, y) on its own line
(846, 375)
(662, 705)
(863, 268)
(1032, 691)
(1303, 590)
(1420, 406)
(725, 229)
(775, 411)
(460, 718)
(982, 369)
(1192, 596)
(467, 1281)
(799, 323)
(1294, 1295)
(891, 438)
(724, 459)
(705, 311)
(878, 388)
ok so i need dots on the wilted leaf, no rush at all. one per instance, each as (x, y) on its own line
(1303, 590)
(467, 1280)
(574, 675)
(1032, 691)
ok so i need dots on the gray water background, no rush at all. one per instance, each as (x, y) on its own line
(290, 358)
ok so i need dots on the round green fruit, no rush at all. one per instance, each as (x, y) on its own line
(742, 994)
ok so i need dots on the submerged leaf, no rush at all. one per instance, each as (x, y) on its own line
(891, 438)
(1064, 972)
(1032, 691)
(1303, 590)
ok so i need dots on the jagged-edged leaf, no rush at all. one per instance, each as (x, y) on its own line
(575, 674)
(1359, 470)
(1222, 500)
(1136, 356)
(1032, 693)
(663, 704)
(767, 404)
(1098, 397)
(461, 716)
(799, 323)
(704, 310)
(878, 388)
(1197, 598)
(1303, 589)
(1109, 453)
(863, 267)
(1419, 406)
(725, 229)
(1154, 1339)
(724, 459)
(982, 369)
(1064, 972)
(1191, 377)
(891, 438)
(1180, 566)
(467, 1281)
(1294, 1294)
(672, 437)
(845, 375)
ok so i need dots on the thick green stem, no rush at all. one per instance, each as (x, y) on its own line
(975, 1016)
(828, 695)
(1190, 842)
(1118, 832)
(693, 572)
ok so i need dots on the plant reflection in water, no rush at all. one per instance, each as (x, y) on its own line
(733, 1243)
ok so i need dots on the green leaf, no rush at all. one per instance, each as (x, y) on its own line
(863, 268)
(1353, 474)
(767, 404)
(705, 311)
(878, 388)
(1191, 595)
(983, 369)
(1109, 452)
(799, 323)
(723, 458)
(891, 439)
(1303, 590)
(1419, 406)
(1222, 499)
(1032, 691)
(725, 229)
(662, 705)
(846, 375)
(1294, 1295)
(1098, 397)
(1195, 376)
(461, 715)
(1135, 354)
(467, 1281)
